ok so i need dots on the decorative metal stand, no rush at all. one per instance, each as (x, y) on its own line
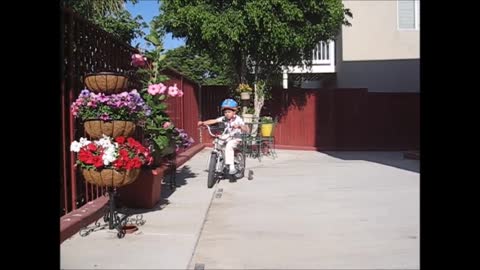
(114, 218)
(172, 165)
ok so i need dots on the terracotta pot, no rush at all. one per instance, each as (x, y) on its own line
(106, 82)
(146, 192)
(110, 177)
(130, 228)
(96, 128)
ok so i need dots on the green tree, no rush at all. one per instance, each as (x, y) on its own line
(200, 68)
(111, 16)
(256, 36)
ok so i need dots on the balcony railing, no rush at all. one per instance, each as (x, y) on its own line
(323, 61)
(324, 53)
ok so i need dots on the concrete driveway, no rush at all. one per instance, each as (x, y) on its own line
(303, 210)
(310, 210)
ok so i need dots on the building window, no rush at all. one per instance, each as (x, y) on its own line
(408, 13)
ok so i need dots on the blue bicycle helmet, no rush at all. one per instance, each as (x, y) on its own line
(229, 104)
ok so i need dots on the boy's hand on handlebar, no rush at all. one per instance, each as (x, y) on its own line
(200, 123)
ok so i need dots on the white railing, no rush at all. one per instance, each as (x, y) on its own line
(323, 53)
(323, 61)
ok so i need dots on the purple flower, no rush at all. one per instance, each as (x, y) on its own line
(123, 106)
(104, 117)
(102, 98)
(147, 110)
(84, 93)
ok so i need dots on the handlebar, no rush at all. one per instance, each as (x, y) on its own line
(218, 136)
(210, 131)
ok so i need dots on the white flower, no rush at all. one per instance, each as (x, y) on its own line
(109, 155)
(84, 141)
(105, 142)
(75, 146)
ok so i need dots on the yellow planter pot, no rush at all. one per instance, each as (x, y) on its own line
(267, 130)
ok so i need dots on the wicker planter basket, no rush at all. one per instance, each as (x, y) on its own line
(110, 177)
(106, 82)
(96, 128)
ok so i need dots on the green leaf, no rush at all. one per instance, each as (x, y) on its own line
(162, 106)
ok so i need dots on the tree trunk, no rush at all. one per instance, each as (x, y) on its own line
(258, 105)
(239, 66)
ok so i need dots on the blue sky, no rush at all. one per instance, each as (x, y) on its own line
(148, 9)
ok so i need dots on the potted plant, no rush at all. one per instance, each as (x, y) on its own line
(160, 134)
(110, 162)
(182, 139)
(248, 115)
(245, 90)
(112, 115)
(266, 126)
(158, 129)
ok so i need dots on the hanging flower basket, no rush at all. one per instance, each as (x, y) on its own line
(106, 82)
(110, 162)
(110, 177)
(97, 128)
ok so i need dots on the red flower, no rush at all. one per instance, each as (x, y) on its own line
(92, 147)
(130, 155)
(119, 163)
(120, 140)
(98, 162)
(134, 163)
(84, 156)
(123, 153)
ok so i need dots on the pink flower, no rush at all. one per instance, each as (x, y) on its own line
(166, 124)
(180, 93)
(138, 60)
(153, 89)
(173, 90)
(163, 88)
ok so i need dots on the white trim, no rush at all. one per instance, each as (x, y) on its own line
(285, 79)
(331, 48)
(416, 17)
(417, 14)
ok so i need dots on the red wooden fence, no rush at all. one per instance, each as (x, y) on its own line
(337, 119)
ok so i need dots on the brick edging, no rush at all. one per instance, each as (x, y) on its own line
(72, 222)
